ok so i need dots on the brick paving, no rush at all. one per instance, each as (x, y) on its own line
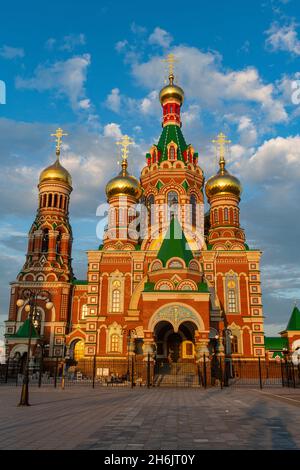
(155, 419)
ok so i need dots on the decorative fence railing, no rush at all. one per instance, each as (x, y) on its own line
(215, 371)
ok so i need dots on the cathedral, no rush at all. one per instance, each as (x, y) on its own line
(170, 280)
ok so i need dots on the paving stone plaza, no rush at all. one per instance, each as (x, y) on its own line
(156, 419)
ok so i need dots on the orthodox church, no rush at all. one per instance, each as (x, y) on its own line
(169, 279)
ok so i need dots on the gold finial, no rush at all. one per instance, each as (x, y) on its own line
(221, 143)
(59, 135)
(125, 142)
(170, 60)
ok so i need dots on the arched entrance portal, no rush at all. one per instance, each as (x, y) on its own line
(174, 346)
(77, 349)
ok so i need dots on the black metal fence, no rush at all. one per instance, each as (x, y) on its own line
(215, 371)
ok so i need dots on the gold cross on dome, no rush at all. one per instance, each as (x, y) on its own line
(59, 135)
(221, 142)
(170, 60)
(125, 142)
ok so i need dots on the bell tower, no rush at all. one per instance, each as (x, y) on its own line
(48, 259)
(123, 193)
(50, 237)
(223, 193)
(172, 180)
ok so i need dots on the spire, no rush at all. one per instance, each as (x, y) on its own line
(221, 143)
(294, 321)
(59, 135)
(125, 142)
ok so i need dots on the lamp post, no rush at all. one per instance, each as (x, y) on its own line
(226, 333)
(285, 355)
(31, 297)
(131, 333)
(43, 347)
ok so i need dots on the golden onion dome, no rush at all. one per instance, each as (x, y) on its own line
(123, 185)
(171, 91)
(56, 172)
(223, 182)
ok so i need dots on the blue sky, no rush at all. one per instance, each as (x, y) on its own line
(95, 68)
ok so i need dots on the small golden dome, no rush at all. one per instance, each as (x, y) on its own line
(171, 91)
(223, 182)
(123, 185)
(56, 172)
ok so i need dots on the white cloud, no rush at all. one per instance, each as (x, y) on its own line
(85, 104)
(205, 80)
(148, 105)
(160, 37)
(191, 115)
(276, 160)
(247, 131)
(113, 100)
(283, 38)
(8, 52)
(67, 78)
(112, 130)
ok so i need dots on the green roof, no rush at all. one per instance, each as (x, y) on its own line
(78, 282)
(175, 244)
(275, 343)
(23, 331)
(171, 133)
(294, 323)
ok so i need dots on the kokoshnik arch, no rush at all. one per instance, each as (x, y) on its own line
(178, 284)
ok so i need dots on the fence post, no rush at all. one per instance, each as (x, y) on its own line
(148, 371)
(132, 371)
(204, 372)
(282, 376)
(259, 369)
(55, 372)
(18, 368)
(94, 370)
(293, 374)
(287, 372)
(6, 372)
(40, 371)
(221, 374)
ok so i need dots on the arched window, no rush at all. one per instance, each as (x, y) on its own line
(234, 345)
(84, 311)
(55, 200)
(232, 293)
(216, 216)
(172, 153)
(171, 108)
(172, 198)
(193, 202)
(235, 215)
(116, 297)
(231, 301)
(50, 200)
(114, 343)
(58, 242)
(226, 214)
(150, 200)
(45, 241)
